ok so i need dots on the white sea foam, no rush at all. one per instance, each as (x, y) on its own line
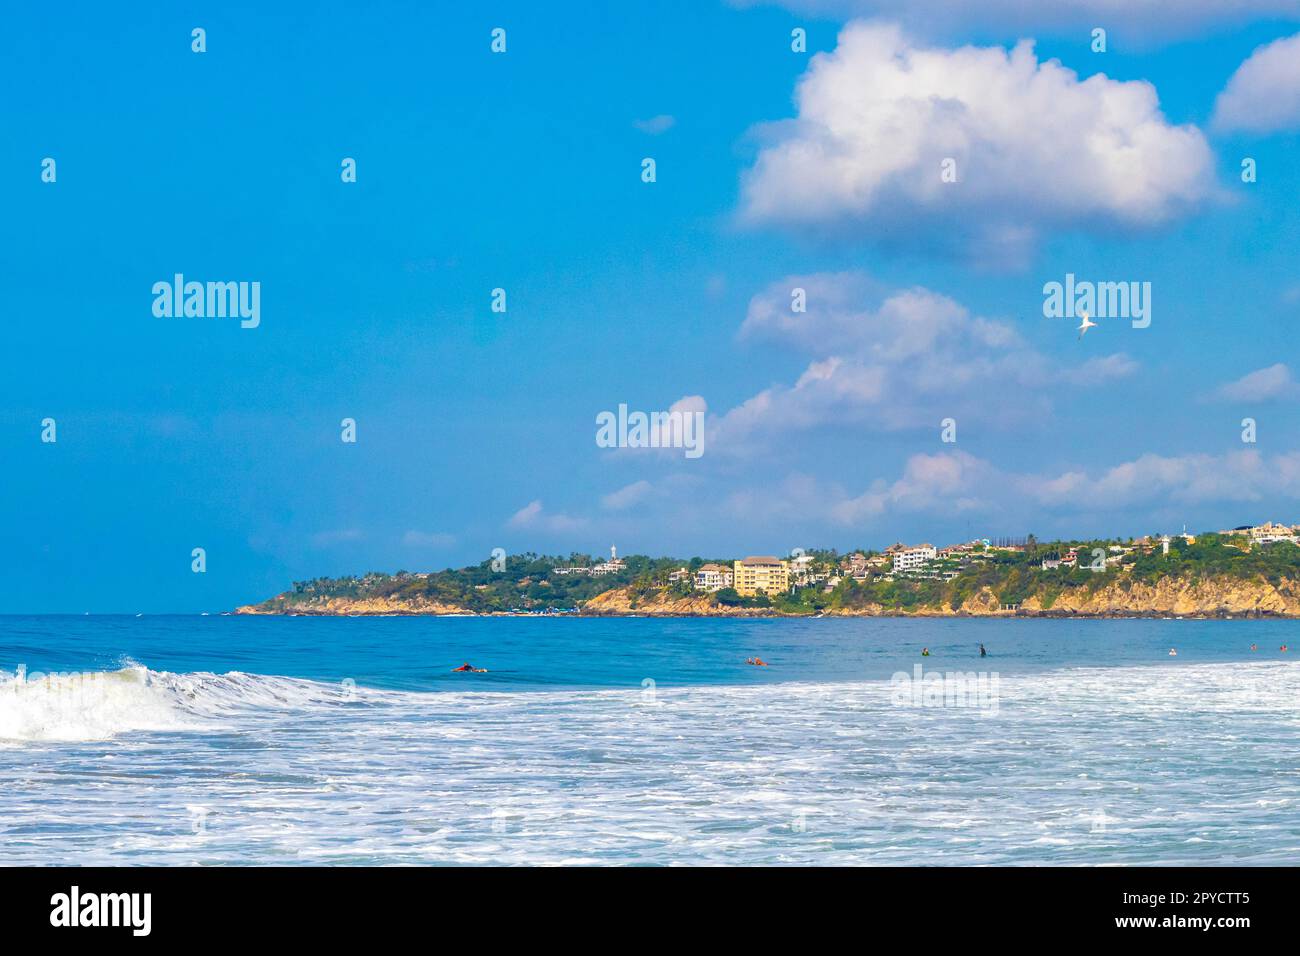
(98, 705)
(1145, 764)
(79, 707)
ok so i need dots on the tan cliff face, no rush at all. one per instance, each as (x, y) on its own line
(1121, 598)
(1124, 598)
(618, 601)
(1178, 596)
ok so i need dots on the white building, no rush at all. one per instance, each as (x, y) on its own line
(614, 565)
(908, 558)
(713, 577)
(801, 570)
(1268, 532)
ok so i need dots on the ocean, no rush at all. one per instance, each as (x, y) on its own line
(311, 741)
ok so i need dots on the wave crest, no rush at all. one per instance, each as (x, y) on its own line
(101, 704)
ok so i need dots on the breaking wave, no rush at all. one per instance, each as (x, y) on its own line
(98, 705)
(1186, 764)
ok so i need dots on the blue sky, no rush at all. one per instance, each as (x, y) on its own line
(522, 171)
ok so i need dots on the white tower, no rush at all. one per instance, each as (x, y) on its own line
(613, 554)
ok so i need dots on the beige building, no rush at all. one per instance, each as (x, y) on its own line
(761, 573)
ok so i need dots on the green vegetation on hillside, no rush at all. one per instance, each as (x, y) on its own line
(527, 583)
(531, 582)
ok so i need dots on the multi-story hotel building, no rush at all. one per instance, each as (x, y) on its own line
(909, 558)
(761, 573)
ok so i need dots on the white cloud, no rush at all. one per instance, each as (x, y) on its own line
(955, 482)
(1035, 147)
(664, 436)
(1260, 385)
(627, 496)
(915, 358)
(527, 515)
(1197, 478)
(673, 437)
(955, 495)
(1263, 95)
(428, 539)
(944, 482)
(1141, 18)
(1102, 369)
(656, 124)
(533, 515)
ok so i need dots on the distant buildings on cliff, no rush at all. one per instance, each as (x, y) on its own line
(614, 565)
(766, 574)
(1268, 532)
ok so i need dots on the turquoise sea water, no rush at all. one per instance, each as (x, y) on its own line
(349, 740)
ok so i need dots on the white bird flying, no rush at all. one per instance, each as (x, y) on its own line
(1085, 325)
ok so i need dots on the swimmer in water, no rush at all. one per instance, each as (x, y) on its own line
(468, 669)
(1283, 648)
(925, 652)
(983, 653)
(1254, 647)
(756, 661)
(1172, 652)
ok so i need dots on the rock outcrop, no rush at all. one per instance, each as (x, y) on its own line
(623, 601)
(345, 607)
(1211, 597)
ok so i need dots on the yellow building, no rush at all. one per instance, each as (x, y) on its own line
(761, 573)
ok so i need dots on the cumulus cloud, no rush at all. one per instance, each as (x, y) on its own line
(908, 361)
(680, 433)
(943, 482)
(1260, 385)
(1237, 476)
(1034, 148)
(955, 483)
(627, 496)
(1263, 95)
(534, 515)
(1141, 18)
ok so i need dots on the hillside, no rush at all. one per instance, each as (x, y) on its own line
(1214, 576)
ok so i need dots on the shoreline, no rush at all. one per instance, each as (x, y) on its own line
(1219, 597)
(757, 614)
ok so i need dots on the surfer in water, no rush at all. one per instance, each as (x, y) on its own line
(756, 661)
(925, 652)
(468, 669)
(983, 653)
